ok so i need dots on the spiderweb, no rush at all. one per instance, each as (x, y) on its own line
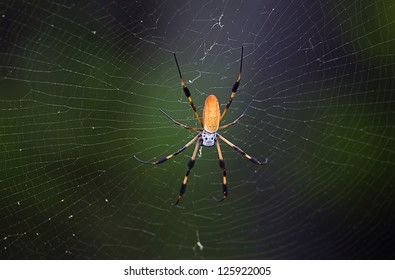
(81, 84)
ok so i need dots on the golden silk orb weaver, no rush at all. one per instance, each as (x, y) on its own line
(208, 135)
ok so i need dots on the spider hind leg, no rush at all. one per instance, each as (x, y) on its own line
(224, 181)
(191, 164)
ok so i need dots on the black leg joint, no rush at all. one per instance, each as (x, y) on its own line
(235, 86)
(186, 91)
(179, 151)
(182, 189)
(239, 150)
(254, 160)
(225, 191)
(222, 164)
(161, 160)
(191, 164)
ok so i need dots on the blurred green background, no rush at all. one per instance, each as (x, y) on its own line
(81, 85)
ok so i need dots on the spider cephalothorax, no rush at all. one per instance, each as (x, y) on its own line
(208, 139)
(208, 135)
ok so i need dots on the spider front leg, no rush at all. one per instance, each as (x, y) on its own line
(187, 92)
(191, 164)
(235, 86)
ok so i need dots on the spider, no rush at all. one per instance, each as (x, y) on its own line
(208, 135)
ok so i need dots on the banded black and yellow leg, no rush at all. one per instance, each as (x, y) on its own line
(235, 86)
(222, 165)
(188, 93)
(252, 159)
(171, 155)
(191, 164)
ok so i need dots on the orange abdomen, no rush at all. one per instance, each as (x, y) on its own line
(211, 114)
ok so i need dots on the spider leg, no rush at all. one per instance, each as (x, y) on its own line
(254, 160)
(235, 86)
(191, 164)
(187, 92)
(222, 165)
(171, 155)
(180, 124)
(236, 120)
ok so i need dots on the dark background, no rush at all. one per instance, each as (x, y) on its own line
(81, 84)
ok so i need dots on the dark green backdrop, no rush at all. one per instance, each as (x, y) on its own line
(80, 89)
